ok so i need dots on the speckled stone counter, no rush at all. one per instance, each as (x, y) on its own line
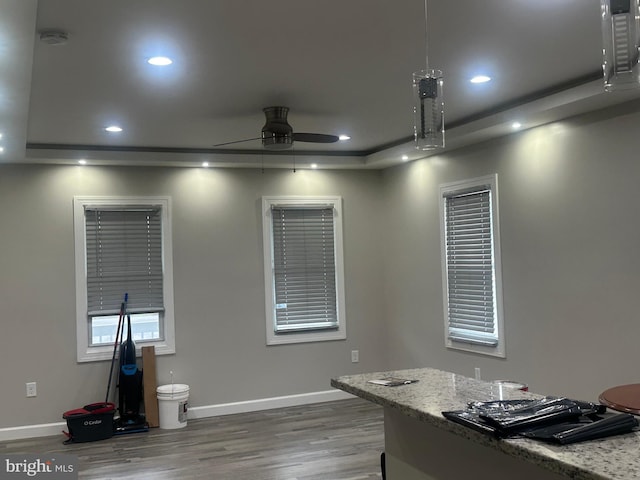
(437, 391)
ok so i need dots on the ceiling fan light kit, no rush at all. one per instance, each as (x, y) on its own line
(277, 134)
(621, 43)
(428, 109)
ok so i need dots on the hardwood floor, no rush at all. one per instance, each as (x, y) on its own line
(329, 441)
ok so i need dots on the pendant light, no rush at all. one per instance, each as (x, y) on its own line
(621, 43)
(428, 110)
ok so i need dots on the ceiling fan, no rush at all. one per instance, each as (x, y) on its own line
(277, 134)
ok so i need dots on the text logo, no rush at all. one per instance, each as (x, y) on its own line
(26, 466)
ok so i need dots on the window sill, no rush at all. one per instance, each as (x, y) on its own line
(306, 337)
(105, 352)
(492, 351)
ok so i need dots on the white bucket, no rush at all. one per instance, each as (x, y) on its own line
(173, 401)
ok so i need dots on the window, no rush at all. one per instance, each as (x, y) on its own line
(123, 246)
(303, 269)
(471, 266)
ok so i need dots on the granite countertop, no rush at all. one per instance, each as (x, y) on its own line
(436, 391)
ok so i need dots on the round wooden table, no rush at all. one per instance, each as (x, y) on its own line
(624, 398)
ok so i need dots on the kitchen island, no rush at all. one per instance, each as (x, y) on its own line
(420, 444)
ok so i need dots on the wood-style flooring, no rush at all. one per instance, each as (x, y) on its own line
(339, 440)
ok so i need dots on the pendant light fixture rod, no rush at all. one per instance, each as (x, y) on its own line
(426, 36)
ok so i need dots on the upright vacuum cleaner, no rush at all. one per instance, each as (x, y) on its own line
(129, 388)
(129, 380)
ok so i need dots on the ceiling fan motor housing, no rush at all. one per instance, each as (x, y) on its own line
(277, 134)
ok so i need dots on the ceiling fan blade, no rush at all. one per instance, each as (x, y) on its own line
(315, 138)
(237, 141)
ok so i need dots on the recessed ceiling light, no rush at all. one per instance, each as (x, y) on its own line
(82, 161)
(113, 129)
(480, 79)
(516, 125)
(405, 158)
(1, 149)
(205, 164)
(344, 137)
(160, 61)
(314, 165)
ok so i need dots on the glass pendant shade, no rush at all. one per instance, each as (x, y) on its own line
(428, 110)
(621, 43)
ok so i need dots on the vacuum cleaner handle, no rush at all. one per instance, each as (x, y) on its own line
(123, 309)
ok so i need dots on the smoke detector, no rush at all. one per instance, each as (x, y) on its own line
(54, 37)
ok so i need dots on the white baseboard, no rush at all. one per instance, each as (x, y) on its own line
(31, 431)
(267, 403)
(49, 429)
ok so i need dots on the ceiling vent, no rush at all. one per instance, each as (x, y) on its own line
(54, 37)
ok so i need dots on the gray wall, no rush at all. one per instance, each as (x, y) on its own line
(570, 232)
(570, 239)
(218, 277)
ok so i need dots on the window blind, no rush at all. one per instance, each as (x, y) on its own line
(304, 268)
(124, 255)
(470, 267)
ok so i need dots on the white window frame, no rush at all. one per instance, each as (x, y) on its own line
(86, 352)
(340, 333)
(490, 181)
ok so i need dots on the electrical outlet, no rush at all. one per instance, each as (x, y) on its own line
(355, 356)
(478, 376)
(31, 389)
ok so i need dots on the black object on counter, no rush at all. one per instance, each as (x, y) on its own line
(558, 420)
